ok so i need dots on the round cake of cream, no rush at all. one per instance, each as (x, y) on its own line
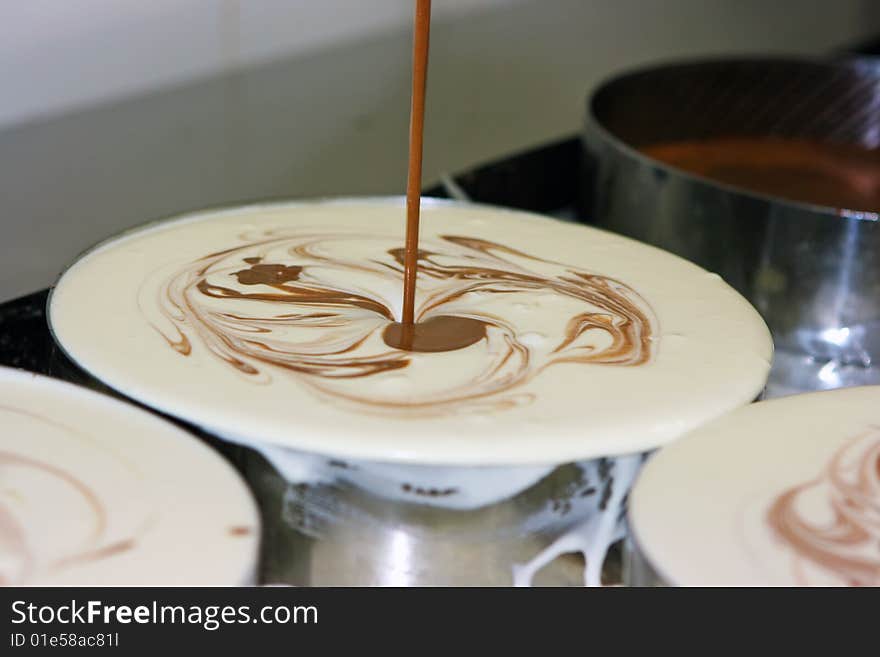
(784, 492)
(97, 492)
(557, 342)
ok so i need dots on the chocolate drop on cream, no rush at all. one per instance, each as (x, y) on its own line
(258, 274)
(437, 334)
(421, 38)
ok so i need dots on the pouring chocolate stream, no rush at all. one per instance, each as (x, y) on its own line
(290, 307)
(438, 335)
(444, 332)
(482, 267)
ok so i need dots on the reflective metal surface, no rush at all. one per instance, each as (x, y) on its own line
(330, 534)
(637, 570)
(812, 272)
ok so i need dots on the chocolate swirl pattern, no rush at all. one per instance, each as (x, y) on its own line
(96, 492)
(24, 555)
(322, 307)
(833, 521)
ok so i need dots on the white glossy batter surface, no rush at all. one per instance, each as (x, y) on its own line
(97, 492)
(595, 344)
(785, 492)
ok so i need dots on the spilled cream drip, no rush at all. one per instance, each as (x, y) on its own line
(594, 535)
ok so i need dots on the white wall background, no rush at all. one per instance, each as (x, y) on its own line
(117, 111)
(59, 55)
(56, 55)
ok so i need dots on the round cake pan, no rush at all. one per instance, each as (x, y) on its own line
(812, 271)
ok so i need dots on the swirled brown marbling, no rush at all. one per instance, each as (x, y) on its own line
(845, 542)
(322, 306)
(19, 562)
